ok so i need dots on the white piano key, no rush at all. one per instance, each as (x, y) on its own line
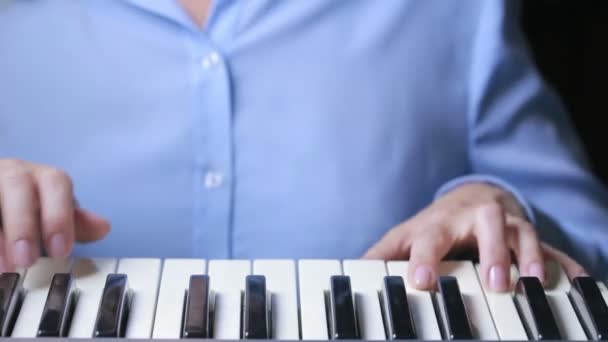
(227, 278)
(143, 276)
(565, 316)
(473, 297)
(36, 286)
(421, 304)
(173, 285)
(22, 271)
(557, 288)
(366, 278)
(557, 279)
(90, 277)
(281, 283)
(314, 278)
(504, 312)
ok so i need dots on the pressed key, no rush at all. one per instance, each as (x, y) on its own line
(314, 286)
(196, 311)
(143, 275)
(590, 307)
(422, 309)
(36, 284)
(343, 322)
(534, 310)
(556, 287)
(10, 295)
(397, 317)
(456, 325)
(255, 309)
(227, 286)
(281, 284)
(90, 277)
(366, 278)
(114, 307)
(172, 294)
(471, 291)
(59, 307)
(502, 308)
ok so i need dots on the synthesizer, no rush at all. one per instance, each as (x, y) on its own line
(312, 299)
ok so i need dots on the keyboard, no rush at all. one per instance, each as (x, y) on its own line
(123, 299)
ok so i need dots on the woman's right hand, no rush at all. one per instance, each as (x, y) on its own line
(38, 210)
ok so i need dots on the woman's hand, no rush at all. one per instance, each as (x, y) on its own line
(38, 208)
(473, 215)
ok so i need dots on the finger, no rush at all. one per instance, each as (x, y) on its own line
(89, 226)
(392, 246)
(526, 246)
(426, 253)
(573, 269)
(20, 221)
(5, 265)
(55, 191)
(494, 255)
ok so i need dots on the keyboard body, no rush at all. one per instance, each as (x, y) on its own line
(279, 300)
(65, 339)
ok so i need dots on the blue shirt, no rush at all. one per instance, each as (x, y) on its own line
(287, 128)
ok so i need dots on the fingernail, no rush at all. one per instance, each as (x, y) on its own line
(423, 276)
(535, 269)
(498, 278)
(58, 245)
(24, 253)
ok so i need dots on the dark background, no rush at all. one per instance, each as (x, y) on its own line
(569, 41)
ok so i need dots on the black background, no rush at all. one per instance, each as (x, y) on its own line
(569, 41)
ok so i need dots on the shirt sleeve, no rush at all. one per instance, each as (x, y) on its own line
(520, 134)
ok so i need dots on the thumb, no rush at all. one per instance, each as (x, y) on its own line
(390, 247)
(89, 226)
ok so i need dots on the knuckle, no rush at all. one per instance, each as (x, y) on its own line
(430, 242)
(25, 229)
(528, 229)
(397, 236)
(9, 162)
(14, 171)
(56, 177)
(56, 222)
(392, 234)
(489, 208)
(436, 217)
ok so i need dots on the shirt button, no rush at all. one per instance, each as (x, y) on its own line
(213, 179)
(211, 60)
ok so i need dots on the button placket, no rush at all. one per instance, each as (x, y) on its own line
(213, 153)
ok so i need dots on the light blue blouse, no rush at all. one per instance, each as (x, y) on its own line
(287, 128)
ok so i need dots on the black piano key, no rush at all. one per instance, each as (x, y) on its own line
(256, 323)
(343, 321)
(534, 310)
(10, 295)
(453, 313)
(114, 307)
(590, 307)
(58, 308)
(196, 311)
(397, 317)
